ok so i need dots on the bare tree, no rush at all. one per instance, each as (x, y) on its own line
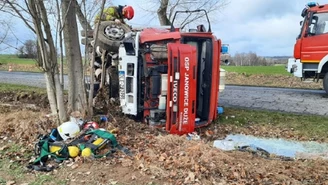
(167, 8)
(248, 59)
(48, 57)
(3, 32)
(34, 14)
(76, 89)
(28, 50)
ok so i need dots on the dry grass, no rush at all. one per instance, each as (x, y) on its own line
(234, 78)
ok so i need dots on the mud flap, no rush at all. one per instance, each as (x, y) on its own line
(181, 97)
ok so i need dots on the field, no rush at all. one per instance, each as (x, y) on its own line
(13, 59)
(256, 70)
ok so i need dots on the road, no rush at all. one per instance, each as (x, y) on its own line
(277, 99)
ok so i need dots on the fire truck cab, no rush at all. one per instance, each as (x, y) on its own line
(170, 78)
(311, 47)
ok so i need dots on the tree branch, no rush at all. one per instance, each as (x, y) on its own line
(161, 12)
(20, 15)
(84, 22)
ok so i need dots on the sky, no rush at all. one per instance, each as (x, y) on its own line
(266, 27)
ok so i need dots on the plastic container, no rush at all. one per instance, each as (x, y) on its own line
(220, 110)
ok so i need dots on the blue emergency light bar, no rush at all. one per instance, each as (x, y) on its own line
(312, 4)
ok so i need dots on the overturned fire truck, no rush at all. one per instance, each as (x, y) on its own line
(169, 77)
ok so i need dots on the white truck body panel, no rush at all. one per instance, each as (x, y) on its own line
(128, 82)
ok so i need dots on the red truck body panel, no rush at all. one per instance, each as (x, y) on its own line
(181, 99)
(311, 49)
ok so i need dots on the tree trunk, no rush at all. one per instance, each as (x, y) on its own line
(161, 12)
(76, 89)
(48, 57)
(51, 92)
(60, 98)
(53, 63)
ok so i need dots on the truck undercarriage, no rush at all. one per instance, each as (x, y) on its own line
(169, 78)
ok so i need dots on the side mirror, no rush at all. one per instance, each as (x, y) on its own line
(301, 23)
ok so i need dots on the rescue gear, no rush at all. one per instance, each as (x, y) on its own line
(54, 135)
(54, 149)
(88, 143)
(73, 151)
(86, 152)
(91, 125)
(68, 130)
(128, 12)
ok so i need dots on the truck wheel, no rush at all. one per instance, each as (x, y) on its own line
(110, 35)
(325, 82)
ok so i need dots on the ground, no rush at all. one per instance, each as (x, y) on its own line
(158, 158)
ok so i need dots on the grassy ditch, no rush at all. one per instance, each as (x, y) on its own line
(276, 124)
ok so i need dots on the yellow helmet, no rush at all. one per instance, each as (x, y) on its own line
(86, 152)
(73, 151)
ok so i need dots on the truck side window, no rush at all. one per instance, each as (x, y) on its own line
(319, 24)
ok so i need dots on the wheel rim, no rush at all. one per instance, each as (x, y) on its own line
(114, 32)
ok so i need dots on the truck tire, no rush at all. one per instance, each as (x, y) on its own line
(110, 35)
(325, 82)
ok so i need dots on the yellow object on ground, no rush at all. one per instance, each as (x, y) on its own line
(98, 141)
(86, 152)
(73, 151)
(54, 149)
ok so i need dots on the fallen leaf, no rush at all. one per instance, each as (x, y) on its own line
(161, 158)
(75, 166)
(10, 183)
(4, 148)
(209, 133)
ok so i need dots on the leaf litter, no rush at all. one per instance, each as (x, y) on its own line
(159, 158)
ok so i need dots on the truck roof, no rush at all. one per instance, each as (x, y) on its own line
(319, 8)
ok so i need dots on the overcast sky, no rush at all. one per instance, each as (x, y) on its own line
(267, 27)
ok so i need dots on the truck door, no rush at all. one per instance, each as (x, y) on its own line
(314, 44)
(181, 97)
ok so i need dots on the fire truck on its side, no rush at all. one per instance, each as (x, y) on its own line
(167, 77)
(170, 78)
(311, 47)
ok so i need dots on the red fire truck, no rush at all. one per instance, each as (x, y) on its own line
(169, 77)
(311, 47)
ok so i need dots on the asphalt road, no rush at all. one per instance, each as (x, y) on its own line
(277, 99)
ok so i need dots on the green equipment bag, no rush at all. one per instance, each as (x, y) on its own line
(43, 151)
